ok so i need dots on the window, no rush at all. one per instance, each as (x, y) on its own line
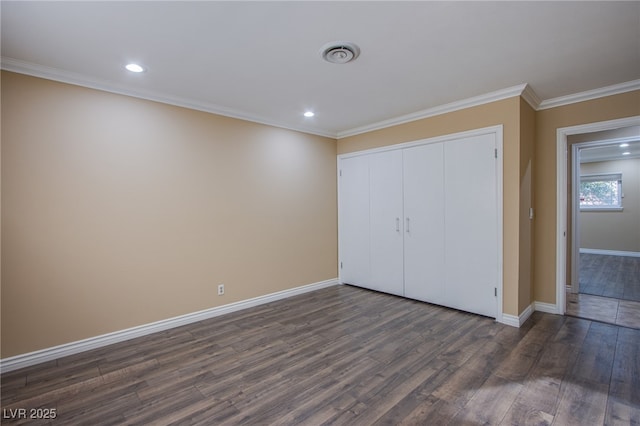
(601, 192)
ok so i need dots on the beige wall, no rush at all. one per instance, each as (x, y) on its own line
(118, 211)
(614, 230)
(505, 112)
(547, 123)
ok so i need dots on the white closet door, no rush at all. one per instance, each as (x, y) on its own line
(424, 210)
(471, 221)
(354, 220)
(385, 172)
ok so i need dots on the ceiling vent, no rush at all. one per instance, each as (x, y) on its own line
(340, 52)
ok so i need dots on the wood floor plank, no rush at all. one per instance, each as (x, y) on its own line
(432, 411)
(595, 360)
(527, 352)
(538, 399)
(623, 405)
(581, 404)
(490, 403)
(344, 355)
(620, 412)
(382, 398)
(584, 392)
(522, 414)
(610, 276)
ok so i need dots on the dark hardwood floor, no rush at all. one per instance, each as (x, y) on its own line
(346, 356)
(610, 276)
(604, 309)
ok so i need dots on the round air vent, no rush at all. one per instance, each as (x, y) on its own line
(340, 52)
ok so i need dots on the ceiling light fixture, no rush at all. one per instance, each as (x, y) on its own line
(340, 52)
(308, 114)
(624, 145)
(626, 153)
(134, 68)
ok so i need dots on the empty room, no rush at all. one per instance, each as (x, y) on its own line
(307, 213)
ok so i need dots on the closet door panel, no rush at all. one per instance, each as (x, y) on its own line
(385, 170)
(354, 221)
(471, 221)
(424, 210)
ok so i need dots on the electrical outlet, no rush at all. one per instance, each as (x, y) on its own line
(220, 289)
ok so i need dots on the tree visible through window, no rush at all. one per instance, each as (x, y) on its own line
(603, 191)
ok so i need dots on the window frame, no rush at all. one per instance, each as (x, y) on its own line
(602, 177)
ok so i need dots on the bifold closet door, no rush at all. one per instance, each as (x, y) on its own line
(471, 224)
(354, 220)
(386, 221)
(424, 214)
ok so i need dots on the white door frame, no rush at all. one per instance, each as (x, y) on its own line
(561, 199)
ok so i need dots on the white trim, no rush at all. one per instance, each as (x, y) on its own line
(48, 354)
(524, 90)
(561, 193)
(575, 218)
(500, 195)
(55, 74)
(549, 308)
(601, 209)
(524, 316)
(615, 89)
(511, 320)
(498, 130)
(498, 95)
(35, 70)
(610, 252)
(517, 321)
(531, 97)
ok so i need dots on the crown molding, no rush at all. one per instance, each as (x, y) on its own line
(439, 110)
(523, 90)
(615, 89)
(55, 74)
(531, 97)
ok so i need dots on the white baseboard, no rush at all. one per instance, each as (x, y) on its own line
(549, 308)
(48, 354)
(610, 252)
(517, 321)
(511, 320)
(524, 316)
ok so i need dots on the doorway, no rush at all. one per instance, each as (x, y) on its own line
(592, 258)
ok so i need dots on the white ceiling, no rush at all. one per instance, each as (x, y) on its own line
(261, 60)
(611, 152)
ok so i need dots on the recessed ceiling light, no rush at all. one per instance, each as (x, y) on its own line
(626, 153)
(134, 68)
(624, 145)
(308, 114)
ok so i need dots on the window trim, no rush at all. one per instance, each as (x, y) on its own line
(597, 177)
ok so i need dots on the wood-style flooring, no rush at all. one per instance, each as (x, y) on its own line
(346, 356)
(604, 309)
(610, 276)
